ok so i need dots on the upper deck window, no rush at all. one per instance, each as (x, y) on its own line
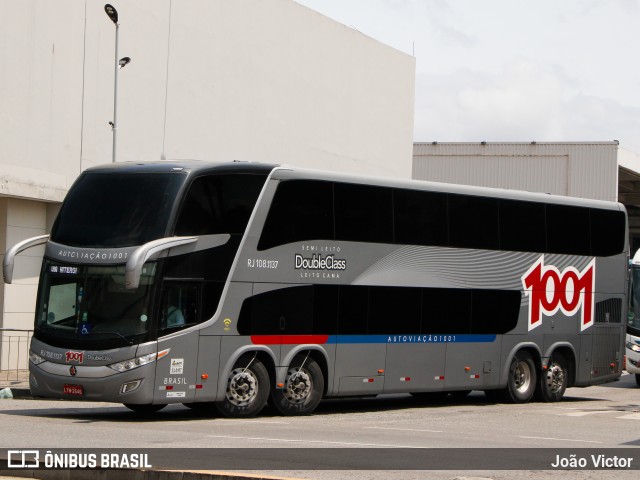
(108, 210)
(305, 210)
(219, 204)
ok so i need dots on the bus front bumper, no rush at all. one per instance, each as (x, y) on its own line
(92, 383)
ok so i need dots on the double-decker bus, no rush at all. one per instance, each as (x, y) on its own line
(233, 285)
(633, 319)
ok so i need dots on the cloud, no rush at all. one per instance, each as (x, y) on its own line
(525, 101)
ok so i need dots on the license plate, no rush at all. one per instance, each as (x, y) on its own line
(73, 389)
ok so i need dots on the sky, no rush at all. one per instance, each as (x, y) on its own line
(512, 70)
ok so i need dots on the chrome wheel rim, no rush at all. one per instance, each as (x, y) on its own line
(522, 377)
(297, 385)
(555, 378)
(242, 387)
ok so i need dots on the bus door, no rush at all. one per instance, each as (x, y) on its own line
(415, 357)
(176, 372)
(361, 348)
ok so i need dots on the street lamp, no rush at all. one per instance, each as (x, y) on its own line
(112, 13)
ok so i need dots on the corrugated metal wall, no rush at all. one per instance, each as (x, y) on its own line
(587, 170)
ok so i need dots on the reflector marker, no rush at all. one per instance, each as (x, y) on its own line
(368, 380)
(405, 379)
(474, 376)
(441, 377)
(163, 353)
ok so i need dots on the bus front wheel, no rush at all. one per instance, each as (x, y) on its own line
(247, 389)
(553, 380)
(521, 383)
(303, 387)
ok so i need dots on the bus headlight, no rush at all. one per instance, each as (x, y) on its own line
(138, 362)
(634, 347)
(35, 358)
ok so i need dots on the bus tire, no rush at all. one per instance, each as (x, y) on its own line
(144, 408)
(638, 379)
(521, 383)
(553, 381)
(303, 388)
(247, 389)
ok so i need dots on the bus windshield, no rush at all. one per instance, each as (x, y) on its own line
(633, 318)
(89, 304)
(112, 209)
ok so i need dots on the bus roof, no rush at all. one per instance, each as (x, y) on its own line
(289, 172)
(282, 171)
(185, 166)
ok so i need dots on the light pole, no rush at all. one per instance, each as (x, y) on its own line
(112, 13)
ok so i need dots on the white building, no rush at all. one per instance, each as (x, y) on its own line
(260, 80)
(598, 170)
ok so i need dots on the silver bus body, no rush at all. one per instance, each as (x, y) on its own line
(364, 307)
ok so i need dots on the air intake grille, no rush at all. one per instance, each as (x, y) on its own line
(609, 311)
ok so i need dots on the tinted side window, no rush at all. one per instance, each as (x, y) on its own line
(420, 218)
(301, 210)
(353, 310)
(180, 306)
(219, 204)
(446, 310)
(278, 312)
(361, 310)
(522, 226)
(473, 222)
(607, 232)
(394, 310)
(363, 213)
(495, 311)
(325, 309)
(568, 230)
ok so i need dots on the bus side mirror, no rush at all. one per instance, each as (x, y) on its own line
(9, 258)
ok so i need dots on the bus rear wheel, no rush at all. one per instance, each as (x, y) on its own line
(521, 384)
(303, 387)
(247, 389)
(553, 380)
